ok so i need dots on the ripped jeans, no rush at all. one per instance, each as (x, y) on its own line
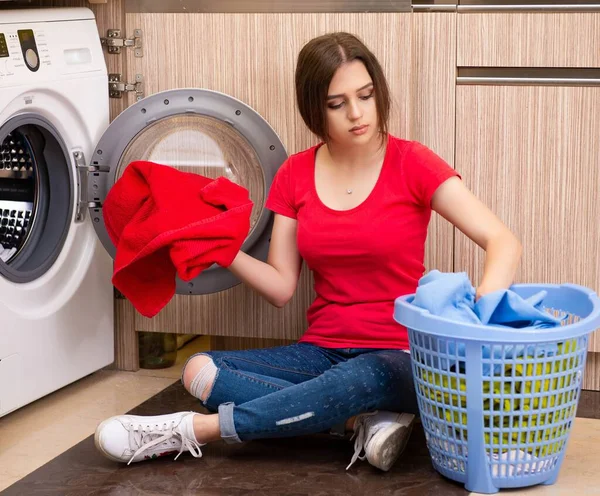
(304, 389)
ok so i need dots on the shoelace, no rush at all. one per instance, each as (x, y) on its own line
(141, 435)
(360, 432)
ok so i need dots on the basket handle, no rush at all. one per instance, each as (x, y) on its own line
(584, 289)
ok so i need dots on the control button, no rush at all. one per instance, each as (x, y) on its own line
(31, 58)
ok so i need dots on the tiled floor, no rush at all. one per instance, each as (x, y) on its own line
(41, 434)
(37, 433)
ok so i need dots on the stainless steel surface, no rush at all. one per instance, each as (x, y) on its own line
(16, 166)
(434, 5)
(15, 159)
(15, 226)
(466, 6)
(266, 6)
(528, 76)
(528, 6)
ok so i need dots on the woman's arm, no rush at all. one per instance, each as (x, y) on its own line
(277, 279)
(453, 201)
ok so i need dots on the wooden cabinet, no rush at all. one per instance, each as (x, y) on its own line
(525, 151)
(529, 39)
(529, 150)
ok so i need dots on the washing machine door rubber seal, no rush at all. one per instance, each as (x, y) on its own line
(260, 136)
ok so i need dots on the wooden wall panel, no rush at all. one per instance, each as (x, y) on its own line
(432, 109)
(529, 40)
(126, 338)
(530, 153)
(252, 57)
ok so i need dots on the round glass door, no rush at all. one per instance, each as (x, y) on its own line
(201, 145)
(197, 131)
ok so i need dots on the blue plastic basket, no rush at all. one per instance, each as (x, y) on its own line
(496, 403)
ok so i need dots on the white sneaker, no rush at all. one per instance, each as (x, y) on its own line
(133, 438)
(382, 436)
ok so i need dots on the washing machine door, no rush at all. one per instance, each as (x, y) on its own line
(198, 131)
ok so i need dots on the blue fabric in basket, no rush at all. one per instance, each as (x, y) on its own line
(452, 296)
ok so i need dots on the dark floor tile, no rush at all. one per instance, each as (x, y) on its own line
(589, 405)
(311, 465)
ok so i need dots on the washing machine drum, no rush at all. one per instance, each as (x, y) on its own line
(17, 185)
(197, 131)
(36, 197)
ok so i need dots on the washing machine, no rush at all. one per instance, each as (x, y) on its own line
(60, 158)
(56, 298)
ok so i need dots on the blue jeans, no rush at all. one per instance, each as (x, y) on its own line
(304, 389)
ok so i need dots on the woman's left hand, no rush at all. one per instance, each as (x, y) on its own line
(482, 291)
(453, 201)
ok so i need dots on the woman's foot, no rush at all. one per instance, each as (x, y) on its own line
(134, 438)
(382, 436)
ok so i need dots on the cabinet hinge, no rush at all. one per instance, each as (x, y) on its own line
(116, 87)
(114, 42)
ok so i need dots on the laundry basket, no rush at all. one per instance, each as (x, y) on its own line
(497, 403)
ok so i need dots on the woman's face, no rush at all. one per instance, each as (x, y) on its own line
(351, 111)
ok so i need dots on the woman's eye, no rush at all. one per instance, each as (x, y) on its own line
(341, 104)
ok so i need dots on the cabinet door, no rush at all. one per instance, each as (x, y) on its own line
(252, 57)
(531, 39)
(531, 154)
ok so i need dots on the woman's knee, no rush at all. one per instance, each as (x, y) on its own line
(395, 382)
(199, 376)
(387, 370)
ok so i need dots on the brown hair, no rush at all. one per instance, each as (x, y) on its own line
(317, 62)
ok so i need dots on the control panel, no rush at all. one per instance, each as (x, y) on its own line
(23, 49)
(3, 46)
(37, 51)
(29, 49)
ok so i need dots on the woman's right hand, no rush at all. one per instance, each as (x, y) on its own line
(277, 279)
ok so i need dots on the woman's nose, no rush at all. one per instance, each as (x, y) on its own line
(354, 110)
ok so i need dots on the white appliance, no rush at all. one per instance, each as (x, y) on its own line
(56, 297)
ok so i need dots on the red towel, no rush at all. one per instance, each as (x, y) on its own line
(166, 222)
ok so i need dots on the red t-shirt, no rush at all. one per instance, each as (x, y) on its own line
(362, 259)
